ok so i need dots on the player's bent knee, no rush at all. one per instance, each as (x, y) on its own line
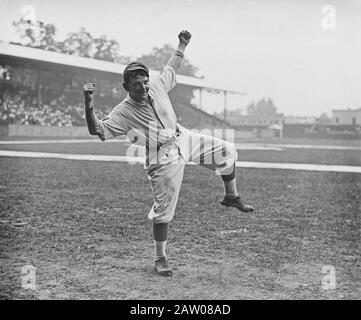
(163, 218)
(230, 175)
(226, 164)
(229, 153)
(232, 151)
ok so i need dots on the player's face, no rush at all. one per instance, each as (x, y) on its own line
(139, 88)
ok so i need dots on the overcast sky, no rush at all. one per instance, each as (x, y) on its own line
(277, 49)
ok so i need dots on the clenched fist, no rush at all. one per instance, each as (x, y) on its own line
(184, 37)
(88, 90)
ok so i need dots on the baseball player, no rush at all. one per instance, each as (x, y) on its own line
(147, 117)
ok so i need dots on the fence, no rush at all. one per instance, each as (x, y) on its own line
(13, 130)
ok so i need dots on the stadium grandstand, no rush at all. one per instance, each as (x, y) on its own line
(43, 88)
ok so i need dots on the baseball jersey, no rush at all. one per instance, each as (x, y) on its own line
(145, 124)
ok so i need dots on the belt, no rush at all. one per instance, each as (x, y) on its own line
(160, 145)
(171, 140)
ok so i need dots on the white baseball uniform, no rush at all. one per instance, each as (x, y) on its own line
(169, 145)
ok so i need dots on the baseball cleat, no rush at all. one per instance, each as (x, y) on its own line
(162, 267)
(236, 203)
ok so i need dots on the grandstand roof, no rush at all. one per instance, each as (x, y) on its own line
(27, 53)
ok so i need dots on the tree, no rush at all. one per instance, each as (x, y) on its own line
(79, 43)
(262, 108)
(324, 119)
(250, 108)
(158, 58)
(37, 34)
(106, 49)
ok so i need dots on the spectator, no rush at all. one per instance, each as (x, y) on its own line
(15, 109)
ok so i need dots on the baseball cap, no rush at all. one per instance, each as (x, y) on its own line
(134, 66)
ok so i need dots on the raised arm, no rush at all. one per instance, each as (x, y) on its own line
(175, 60)
(91, 119)
(112, 125)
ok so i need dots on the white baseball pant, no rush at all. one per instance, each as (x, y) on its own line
(166, 174)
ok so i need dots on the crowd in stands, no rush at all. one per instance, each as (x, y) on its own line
(17, 110)
(33, 97)
(24, 109)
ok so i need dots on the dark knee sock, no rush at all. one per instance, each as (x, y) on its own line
(160, 231)
(229, 182)
(231, 176)
(160, 235)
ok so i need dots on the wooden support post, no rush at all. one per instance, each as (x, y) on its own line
(225, 106)
(38, 89)
(200, 98)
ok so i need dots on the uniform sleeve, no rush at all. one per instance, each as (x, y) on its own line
(168, 78)
(112, 125)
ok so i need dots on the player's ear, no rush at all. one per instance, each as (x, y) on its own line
(125, 86)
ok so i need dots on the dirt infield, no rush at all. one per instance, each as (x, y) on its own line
(85, 229)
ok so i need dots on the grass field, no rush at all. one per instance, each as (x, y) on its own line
(84, 226)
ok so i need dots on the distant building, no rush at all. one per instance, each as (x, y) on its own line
(346, 116)
(323, 119)
(299, 120)
(257, 120)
